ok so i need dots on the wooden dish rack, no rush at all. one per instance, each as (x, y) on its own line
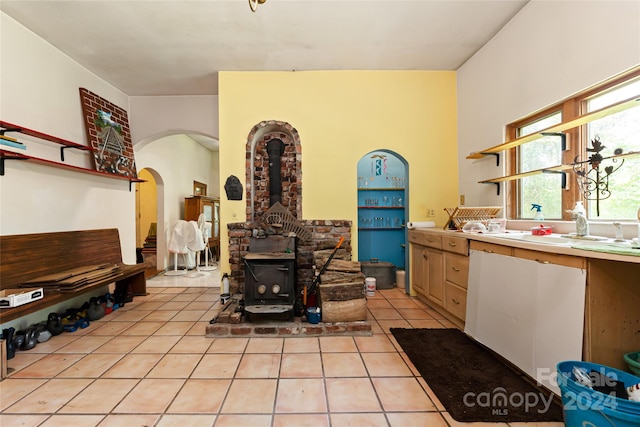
(459, 216)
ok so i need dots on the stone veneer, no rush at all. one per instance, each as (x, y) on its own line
(297, 328)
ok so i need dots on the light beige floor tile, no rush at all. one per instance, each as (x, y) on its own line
(7, 420)
(343, 365)
(192, 344)
(49, 366)
(414, 313)
(434, 398)
(228, 345)
(406, 303)
(186, 420)
(388, 324)
(352, 395)
(361, 420)
(50, 397)
(12, 390)
(385, 314)
(265, 345)
(337, 345)
(261, 403)
(301, 345)
(129, 420)
(25, 359)
(174, 305)
(85, 344)
(73, 420)
(200, 397)
(121, 344)
(375, 343)
(111, 328)
(157, 344)
(189, 316)
(199, 305)
(161, 315)
(378, 303)
(175, 366)
(427, 323)
(375, 327)
(303, 365)
(386, 365)
(129, 316)
(198, 328)
(402, 394)
(143, 328)
(150, 396)
(259, 366)
(175, 328)
(150, 306)
(55, 343)
(301, 420)
(301, 396)
(185, 297)
(243, 421)
(431, 419)
(101, 396)
(217, 366)
(133, 366)
(91, 366)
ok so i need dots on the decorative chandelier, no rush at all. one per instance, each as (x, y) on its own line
(253, 4)
(592, 176)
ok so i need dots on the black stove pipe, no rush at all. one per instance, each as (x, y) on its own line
(275, 149)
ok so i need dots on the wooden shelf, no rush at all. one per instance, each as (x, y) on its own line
(10, 155)
(561, 127)
(552, 169)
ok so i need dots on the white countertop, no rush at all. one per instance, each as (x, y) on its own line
(542, 247)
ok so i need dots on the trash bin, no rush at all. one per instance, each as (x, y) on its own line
(585, 407)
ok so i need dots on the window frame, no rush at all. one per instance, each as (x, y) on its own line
(570, 109)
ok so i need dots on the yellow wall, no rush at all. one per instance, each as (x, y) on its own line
(147, 212)
(341, 116)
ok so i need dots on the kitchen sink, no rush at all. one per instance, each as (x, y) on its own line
(548, 239)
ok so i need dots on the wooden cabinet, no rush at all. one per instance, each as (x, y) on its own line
(210, 207)
(439, 272)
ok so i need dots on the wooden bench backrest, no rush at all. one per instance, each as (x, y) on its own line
(28, 256)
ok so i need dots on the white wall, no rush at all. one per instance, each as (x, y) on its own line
(152, 115)
(546, 53)
(39, 89)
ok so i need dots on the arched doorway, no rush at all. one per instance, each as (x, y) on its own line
(149, 229)
(383, 208)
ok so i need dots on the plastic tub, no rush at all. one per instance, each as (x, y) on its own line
(585, 407)
(633, 360)
(313, 315)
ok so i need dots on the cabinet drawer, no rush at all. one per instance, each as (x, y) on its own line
(455, 300)
(549, 258)
(456, 269)
(458, 245)
(431, 240)
(491, 248)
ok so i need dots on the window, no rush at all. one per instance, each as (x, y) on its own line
(617, 132)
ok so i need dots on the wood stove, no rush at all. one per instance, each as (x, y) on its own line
(269, 271)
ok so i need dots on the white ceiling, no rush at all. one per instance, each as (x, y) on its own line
(168, 47)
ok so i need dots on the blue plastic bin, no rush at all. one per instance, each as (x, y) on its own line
(584, 407)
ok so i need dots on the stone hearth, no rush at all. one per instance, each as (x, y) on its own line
(296, 328)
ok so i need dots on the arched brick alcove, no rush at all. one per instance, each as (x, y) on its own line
(257, 168)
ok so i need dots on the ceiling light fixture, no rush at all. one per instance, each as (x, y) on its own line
(253, 4)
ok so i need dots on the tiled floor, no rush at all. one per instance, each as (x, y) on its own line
(149, 364)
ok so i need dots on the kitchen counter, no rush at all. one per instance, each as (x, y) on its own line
(536, 246)
(609, 319)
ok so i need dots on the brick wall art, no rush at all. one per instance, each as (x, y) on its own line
(108, 133)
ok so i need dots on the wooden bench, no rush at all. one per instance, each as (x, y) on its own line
(24, 257)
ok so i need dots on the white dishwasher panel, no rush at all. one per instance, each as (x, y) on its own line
(530, 313)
